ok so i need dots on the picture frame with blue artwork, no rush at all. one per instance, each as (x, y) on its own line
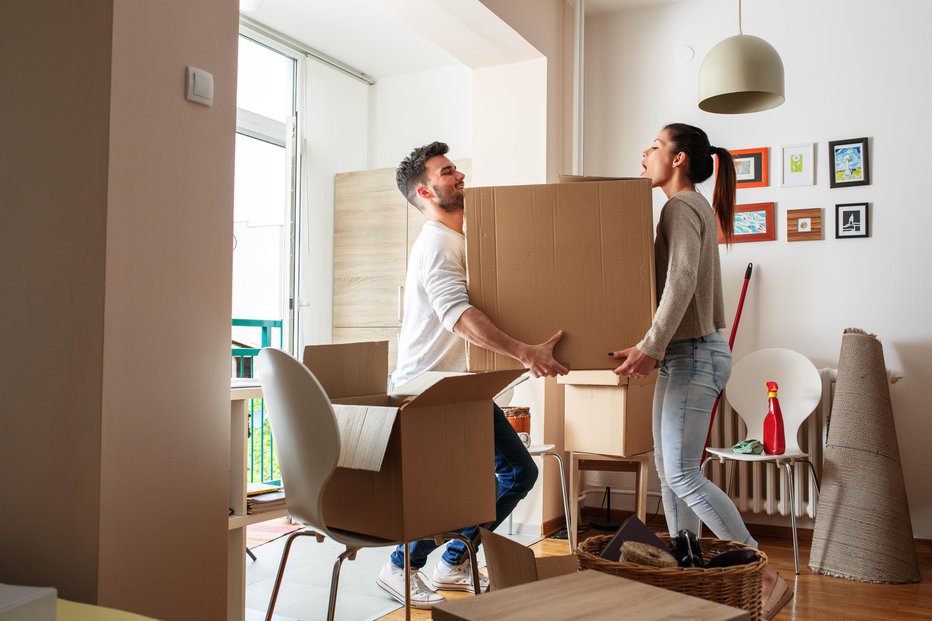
(753, 222)
(850, 162)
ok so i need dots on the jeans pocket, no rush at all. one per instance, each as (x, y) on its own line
(721, 365)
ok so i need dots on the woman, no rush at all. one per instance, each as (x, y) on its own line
(686, 337)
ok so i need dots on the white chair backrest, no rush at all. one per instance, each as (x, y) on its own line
(800, 390)
(305, 431)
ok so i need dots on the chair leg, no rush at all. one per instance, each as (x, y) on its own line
(281, 566)
(335, 580)
(251, 555)
(815, 477)
(566, 499)
(473, 560)
(732, 470)
(407, 556)
(791, 492)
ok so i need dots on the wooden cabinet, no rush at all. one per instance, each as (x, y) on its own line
(373, 231)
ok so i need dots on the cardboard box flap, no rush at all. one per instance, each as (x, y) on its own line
(349, 369)
(364, 435)
(574, 178)
(421, 383)
(464, 388)
(604, 377)
(551, 566)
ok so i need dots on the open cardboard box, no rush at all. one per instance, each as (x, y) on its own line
(572, 256)
(608, 414)
(410, 466)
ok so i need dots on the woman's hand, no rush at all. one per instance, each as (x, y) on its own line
(636, 363)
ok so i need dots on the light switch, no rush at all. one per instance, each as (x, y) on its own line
(200, 87)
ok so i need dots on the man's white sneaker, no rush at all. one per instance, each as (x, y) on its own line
(392, 581)
(457, 578)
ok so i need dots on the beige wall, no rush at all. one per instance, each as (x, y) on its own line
(120, 203)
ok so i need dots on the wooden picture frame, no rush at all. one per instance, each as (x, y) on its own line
(849, 162)
(803, 225)
(753, 222)
(798, 165)
(752, 168)
(852, 220)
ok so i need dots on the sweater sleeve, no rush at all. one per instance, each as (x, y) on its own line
(443, 276)
(682, 229)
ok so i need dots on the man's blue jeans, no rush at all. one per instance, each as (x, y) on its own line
(693, 373)
(516, 473)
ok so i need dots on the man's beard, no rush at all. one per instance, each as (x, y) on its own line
(451, 200)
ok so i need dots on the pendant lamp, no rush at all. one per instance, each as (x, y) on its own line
(741, 74)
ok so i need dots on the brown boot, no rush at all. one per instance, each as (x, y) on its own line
(777, 598)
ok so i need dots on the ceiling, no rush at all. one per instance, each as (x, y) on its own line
(361, 35)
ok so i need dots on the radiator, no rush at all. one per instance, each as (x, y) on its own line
(760, 487)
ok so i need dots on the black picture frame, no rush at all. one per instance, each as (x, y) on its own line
(849, 162)
(852, 220)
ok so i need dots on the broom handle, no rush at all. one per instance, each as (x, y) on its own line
(731, 343)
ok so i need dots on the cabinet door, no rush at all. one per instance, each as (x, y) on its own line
(369, 249)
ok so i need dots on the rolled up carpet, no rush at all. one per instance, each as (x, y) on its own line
(862, 526)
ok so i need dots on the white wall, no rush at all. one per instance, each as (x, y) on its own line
(853, 68)
(335, 140)
(510, 104)
(415, 109)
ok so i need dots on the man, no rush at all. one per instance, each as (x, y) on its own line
(438, 317)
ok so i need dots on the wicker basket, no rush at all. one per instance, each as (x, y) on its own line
(738, 586)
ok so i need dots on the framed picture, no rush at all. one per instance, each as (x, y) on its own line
(753, 222)
(851, 220)
(751, 168)
(849, 162)
(798, 165)
(803, 225)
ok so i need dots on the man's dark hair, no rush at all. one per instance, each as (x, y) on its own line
(410, 173)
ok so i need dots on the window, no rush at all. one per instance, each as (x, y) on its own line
(265, 191)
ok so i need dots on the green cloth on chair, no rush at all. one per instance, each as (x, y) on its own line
(748, 447)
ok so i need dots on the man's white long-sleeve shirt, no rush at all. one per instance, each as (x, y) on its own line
(435, 298)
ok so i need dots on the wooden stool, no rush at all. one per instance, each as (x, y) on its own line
(638, 464)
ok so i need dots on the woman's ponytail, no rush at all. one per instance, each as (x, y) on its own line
(723, 199)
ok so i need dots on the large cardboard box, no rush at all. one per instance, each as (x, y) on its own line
(608, 414)
(571, 256)
(410, 466)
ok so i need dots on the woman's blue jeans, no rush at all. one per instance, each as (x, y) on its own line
(516, 473)
(693, 373)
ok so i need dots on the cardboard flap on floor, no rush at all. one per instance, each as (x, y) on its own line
(350, 369)
(364, 434)
(464, 388)
(572, 256)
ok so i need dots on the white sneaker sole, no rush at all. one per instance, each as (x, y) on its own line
(455, 586)
(401, 598)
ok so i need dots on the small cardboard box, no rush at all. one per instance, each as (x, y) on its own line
(410, 467)
(572, 256)
(608, 414)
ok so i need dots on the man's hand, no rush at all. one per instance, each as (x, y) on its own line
(636, 363)
(539, 358)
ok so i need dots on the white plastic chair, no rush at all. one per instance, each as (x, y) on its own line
(307, 441)
(800, 391)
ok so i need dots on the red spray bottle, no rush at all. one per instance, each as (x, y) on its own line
(774, 440)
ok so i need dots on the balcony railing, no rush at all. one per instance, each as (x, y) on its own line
(262, 465)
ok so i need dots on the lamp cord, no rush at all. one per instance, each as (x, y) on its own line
(739, 17)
